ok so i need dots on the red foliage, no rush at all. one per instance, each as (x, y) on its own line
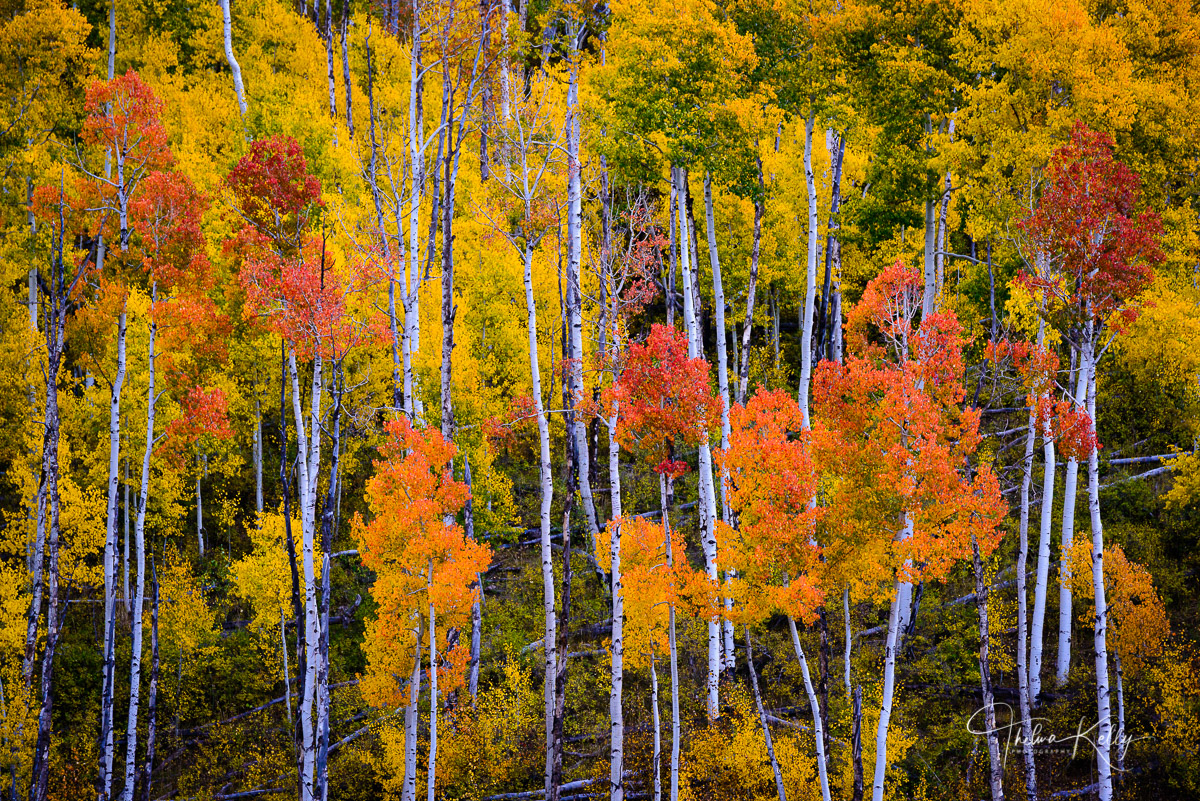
(1073, 431)
(1098, 252)
(123, 117)
(204, 413)
(662, 395)
(167, 215)
(306, 302)
(274, 192)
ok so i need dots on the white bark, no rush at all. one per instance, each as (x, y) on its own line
(714, 260)
(409, 790)
(1063, 664)
(550, 641)
(125, 544)
(656, 759)
(810, 278)
(238, 88)
(673, 648)
(199, 504)
(574, 285)
(287, 680)
(110, 558)
(1023, 701)
(889, 682)
(1037, 628)
(258, 454)
(848, 641)
(818, 728)
(1103, 711)
(1120, 739)
(139, 602)
(433, 696)
(416, 144)
(762, 719)
(615, 713)
(708, 507)
(308, 463)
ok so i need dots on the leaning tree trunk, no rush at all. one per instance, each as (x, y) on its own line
(818, 724)
(238, 88)
(762, 719)
(892, 648)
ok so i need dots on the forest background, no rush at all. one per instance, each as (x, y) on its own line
(850, 351)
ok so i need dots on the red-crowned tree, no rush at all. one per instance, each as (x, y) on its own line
(1095, 256)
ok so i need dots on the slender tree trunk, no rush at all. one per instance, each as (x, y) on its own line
(328, 531)
(571, 484)
(985, 677)
(714, 261)
(1120, 739)
(707, 494)
(1103, 711)
(104, 779)
(1037, 628)
(664, 491)
(818, 723)
(751, 285)
(477, 604)
(345, 29)
(258, 454)
(1022, 608)
(574, 278)
(656, 757)
(762, 717)
(433, 694)
(550, 640)
(1065, 619)
(327, 35)
(856, 744)
(810, 281)
(152, 695)
(238, 88)
(139, 602)
(411, 719)
(615, 712)
(836, 145)
(200, 503)
(125, 541)
(287, 679)
(308, 463)
(895, 624)
(416, 145)
(847, 640)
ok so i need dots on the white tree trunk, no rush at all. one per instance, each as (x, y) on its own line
(672, 646)
(1037, 628)
(929, 296)
(258, 455)
(575, 288)
(200, 503)
(889, 687)
(707, 500)
(762, 719)
(238, 88)
(615, 713)
(416, 142)
(818, 728)
(656, 759)
(810, 277)
(848, 641)
(110, 559)
(411, 719)
(287, 679)
(433, 697)
(308, 456)
(714, 260)
(139, 601)
(1119, 742)
(1103, 711)
(1022, 607)
(1063, 664)
(550, 639)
